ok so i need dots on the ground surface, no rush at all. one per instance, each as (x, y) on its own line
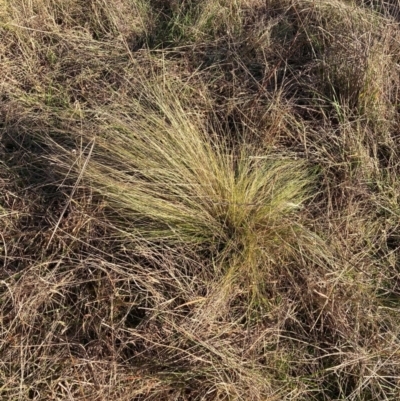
(199, 200)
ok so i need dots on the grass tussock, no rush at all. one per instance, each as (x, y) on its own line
(199, 200)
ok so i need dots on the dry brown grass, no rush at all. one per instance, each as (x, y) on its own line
(199, 200)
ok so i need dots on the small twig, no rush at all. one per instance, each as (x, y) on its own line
(72, 193)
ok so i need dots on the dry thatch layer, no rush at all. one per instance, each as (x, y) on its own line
(199, 200)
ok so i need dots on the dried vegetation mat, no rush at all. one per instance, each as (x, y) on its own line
(199, 200)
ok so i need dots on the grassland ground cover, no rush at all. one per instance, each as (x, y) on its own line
(199, 200)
